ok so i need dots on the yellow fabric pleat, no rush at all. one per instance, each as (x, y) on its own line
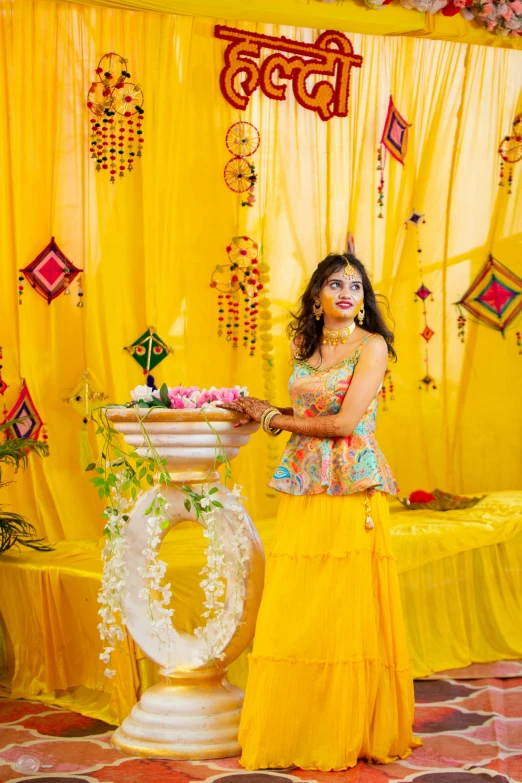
(330, 678)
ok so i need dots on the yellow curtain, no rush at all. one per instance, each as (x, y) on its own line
(149, 243)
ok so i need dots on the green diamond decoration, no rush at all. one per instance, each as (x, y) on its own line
(149, 350)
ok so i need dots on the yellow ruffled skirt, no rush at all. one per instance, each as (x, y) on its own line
(329, 675)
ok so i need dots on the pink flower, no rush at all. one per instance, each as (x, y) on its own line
(491, 24)
(507, 14)
(487, 9)
(228, 395)
(516, 7)
(176, 401)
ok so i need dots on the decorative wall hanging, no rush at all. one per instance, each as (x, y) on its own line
(83, 398)
(149, 350)
(236, 280)
(493, 299)
(331, 55)
(3, 385)
(114, 101)
(27, 422)
(242, 140)
(510, 152)
(395, 141)
(50, 274)
(422, 294)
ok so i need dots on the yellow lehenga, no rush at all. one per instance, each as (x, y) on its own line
(329, 675)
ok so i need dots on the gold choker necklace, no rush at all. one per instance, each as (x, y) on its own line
(337, 336)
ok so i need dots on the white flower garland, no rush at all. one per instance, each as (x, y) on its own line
(222, 620)
(216, 633)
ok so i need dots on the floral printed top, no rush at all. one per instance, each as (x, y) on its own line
(338, 466)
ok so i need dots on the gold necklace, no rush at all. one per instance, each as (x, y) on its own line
(338, 335)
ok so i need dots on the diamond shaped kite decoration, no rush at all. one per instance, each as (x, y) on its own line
(415, 218)
(51, 272)
(395, 133)
(149, 350)
(427, 333)
(423, 292)
(25, 410)
(494, 297)
(428, 380)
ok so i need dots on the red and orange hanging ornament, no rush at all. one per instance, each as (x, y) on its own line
(422, 294)
(238, 285)
(395, 141)
(117, 106)
(240, 175)
(510, 152)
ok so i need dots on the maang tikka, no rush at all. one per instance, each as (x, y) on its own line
(349, 271)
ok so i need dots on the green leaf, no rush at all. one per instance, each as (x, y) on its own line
(150, 480)
(100, 470)
(187, 504)
(101, 492)
(164, 395)
(134, 492)
(90, 466)
(164, 525)
(142, 472)
(213, 491)
(217, 504)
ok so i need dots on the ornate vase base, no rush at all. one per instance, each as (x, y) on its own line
(184, 718)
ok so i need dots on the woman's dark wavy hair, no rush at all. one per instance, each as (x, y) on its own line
(307, 330)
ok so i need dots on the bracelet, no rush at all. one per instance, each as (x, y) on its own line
(266, 418)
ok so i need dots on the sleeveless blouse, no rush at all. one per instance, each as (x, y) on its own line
(338, 466)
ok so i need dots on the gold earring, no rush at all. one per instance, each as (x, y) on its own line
(318, 310)
(360, 315)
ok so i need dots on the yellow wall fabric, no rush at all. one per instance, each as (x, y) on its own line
(149, 243)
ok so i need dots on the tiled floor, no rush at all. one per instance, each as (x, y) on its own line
(471, 729)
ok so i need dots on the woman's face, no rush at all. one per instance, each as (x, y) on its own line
(342, 297)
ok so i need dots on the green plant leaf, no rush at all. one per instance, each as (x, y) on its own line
(187, 504)
(164, 395)
(150, 480)
(213, 490)
(90, 466)
(217, 504)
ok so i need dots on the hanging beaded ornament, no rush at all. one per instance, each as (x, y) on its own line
(117, 105)
(26, 421)
(510, 152)
(50, 274)
(237, 282)
(422, 294)
(394, 140)
(242, 141)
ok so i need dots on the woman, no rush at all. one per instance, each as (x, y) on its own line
(330, 679)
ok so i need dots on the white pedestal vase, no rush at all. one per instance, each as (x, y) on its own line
(194, 712)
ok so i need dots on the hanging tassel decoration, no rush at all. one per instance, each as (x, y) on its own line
(369, 523)
(80, 292)
(381, 159)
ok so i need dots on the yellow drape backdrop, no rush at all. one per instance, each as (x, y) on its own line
(149, 243)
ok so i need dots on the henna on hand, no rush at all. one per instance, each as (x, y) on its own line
(313, 427)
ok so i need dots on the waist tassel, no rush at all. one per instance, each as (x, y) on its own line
(369, 523)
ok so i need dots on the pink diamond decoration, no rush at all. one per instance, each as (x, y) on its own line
(3, 386)
(423, 292)
(51, 272)
(497, 296)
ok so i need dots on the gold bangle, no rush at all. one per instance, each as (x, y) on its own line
(266, 418)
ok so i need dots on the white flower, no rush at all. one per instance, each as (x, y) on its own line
(204, 502)
(141, 394)
(242, 390)
(109, 673)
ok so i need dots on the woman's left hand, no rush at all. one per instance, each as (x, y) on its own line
(252, 407)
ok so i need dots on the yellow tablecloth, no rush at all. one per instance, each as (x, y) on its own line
(461, 583)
